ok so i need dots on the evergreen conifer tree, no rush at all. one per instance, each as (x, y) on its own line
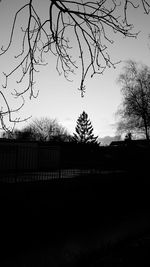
(84, 130)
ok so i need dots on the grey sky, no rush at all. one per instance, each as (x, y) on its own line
(59, 98)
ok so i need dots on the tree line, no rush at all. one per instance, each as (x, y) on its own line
(47, 130)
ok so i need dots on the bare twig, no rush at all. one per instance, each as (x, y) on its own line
(88, 21)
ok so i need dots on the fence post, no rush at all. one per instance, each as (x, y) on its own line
(59, 165)
(16, 167)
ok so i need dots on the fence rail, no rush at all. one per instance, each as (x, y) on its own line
(58, 174)
(43, 176)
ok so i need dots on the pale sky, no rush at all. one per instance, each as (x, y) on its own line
(61, 99)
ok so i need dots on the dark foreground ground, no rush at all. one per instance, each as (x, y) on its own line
(93, 220)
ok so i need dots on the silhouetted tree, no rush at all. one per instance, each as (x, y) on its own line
(128, 136)
(88, 23)
(135, 110)
(26, 133)
(84, 130)
(43, 129)
(50, 130)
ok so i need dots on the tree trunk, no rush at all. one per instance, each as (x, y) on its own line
(146, 128)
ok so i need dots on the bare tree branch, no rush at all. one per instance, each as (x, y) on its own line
(8, 113)
(135, 111)
(88, 22)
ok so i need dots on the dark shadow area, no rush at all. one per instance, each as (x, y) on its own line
(87, 220)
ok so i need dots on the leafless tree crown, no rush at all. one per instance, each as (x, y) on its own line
(90, 23)
(135, 87)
